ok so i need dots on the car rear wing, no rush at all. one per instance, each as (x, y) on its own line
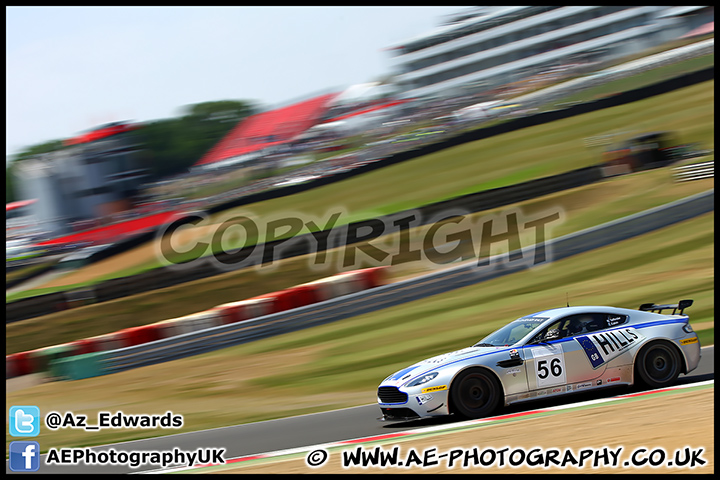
(651, 307)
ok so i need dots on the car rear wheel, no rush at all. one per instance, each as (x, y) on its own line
(475, 393)
(658, 365)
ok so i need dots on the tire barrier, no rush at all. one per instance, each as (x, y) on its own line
(40, 360)
(366, 301)
(141, 334)
(42, 357)
(243, 310)
(18, 364)
(103, 343)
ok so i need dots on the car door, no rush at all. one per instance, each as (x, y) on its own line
(608, 342)
(545, 360)
(591, 342)
(564, 357)
(582, 359)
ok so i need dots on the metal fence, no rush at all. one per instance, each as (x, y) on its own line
(696, 171)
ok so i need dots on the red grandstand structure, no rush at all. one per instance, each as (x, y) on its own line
(105, 131)
(268, 129)
(114, 232)
(13, 206)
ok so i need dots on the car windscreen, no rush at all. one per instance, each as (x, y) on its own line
(511, 333)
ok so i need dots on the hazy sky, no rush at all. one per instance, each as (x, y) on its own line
(72, 68)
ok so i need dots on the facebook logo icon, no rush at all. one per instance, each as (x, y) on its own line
(24, 456)
(24, 421)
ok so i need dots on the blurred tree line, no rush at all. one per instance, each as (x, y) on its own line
(168, 146)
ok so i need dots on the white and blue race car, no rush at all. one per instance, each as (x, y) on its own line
(553, 352)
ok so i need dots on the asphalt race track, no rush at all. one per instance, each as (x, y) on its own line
(321, 428)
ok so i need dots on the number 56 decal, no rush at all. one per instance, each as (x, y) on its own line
(549, 366)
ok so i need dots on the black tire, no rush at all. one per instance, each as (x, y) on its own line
(657, 365)
(475, 393)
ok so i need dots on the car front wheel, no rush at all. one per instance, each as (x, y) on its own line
(475, 393)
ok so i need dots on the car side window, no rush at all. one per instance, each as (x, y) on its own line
(579, 324)
(543, 333)
(583, 323)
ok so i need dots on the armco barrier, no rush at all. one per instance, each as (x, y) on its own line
(35, 306)
(79, 297)
(400, 292)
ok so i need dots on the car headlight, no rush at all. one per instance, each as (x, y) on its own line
(687, 328)
(423, 379)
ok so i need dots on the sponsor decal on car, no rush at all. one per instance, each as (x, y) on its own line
(580, 386)
(602, 347)
(434, 389)
(549, 365)
(688, 341)
(421, 399)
